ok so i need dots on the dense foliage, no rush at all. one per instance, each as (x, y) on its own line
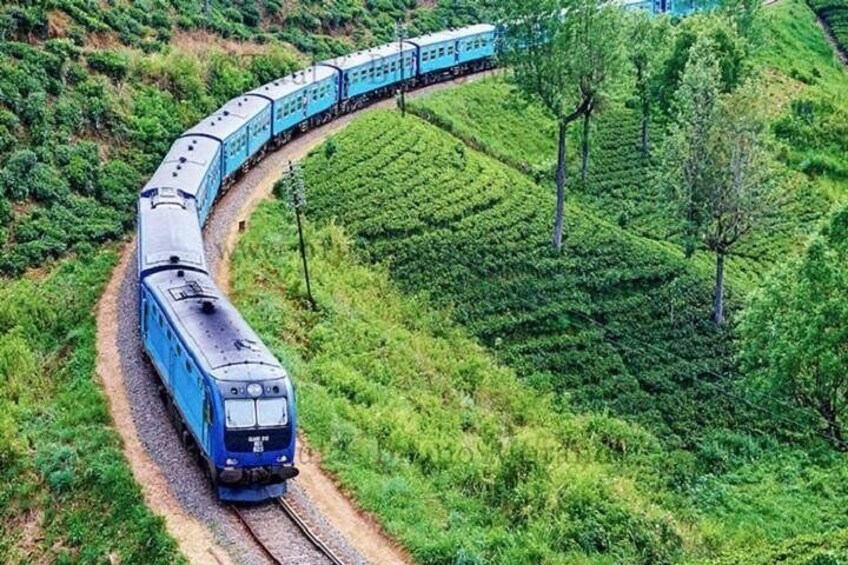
(66, 492)
(795, 330)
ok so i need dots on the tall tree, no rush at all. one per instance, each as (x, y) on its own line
(648, 40)
(795, 331)
(718, 162)
(547, 45)
(598, 54)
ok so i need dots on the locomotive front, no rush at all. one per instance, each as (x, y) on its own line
(256, 443)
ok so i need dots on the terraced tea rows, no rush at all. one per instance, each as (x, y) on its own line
(473, 234)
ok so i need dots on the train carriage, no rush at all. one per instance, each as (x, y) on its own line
(373, 73)
(193, 166)
(242, 126)
(169, 235)
(228, 394)
(298, 98)
(451, 49)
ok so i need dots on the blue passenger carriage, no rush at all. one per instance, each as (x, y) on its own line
(454, 51)
(193, 166)
(242, 126)
(373, 73)
(228, 394)
(298, 99)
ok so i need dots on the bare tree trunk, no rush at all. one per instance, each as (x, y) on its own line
(645, 120)
(718, 293)
(584, 167)
(561, 174)
(834, 428)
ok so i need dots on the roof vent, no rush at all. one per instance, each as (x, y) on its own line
(183, 159)
(227, 112)
(174, 259)
(194, 141)
(207, 307)
(175, 173)
(180, 273)
(191, 147)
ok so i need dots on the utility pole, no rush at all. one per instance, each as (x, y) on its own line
(400, 33)
(292, 189)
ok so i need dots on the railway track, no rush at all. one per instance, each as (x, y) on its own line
(255, 532)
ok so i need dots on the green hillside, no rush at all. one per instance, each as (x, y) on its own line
(393, 393)
(457, 458)
(835, 14)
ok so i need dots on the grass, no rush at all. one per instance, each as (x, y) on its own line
(463, 464)
(474, 234)
(66, 491)
(458, 459)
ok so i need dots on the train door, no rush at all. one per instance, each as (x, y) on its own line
(208, 418)
(456, 52)
(145, 313)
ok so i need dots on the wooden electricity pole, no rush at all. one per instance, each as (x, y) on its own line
(400, 32)
(292, 189)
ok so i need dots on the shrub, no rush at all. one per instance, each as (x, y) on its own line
(113, 65)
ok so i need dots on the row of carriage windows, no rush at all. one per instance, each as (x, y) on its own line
(377, 71)
(235, 146)
(439, 52)
(298, 103)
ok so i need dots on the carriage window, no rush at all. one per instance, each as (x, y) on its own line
(450, 50)
(271, 412)
(188, 366)
(425, 57)
(441, 51)
(240, 413)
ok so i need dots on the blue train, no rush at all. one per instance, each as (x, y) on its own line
(232, 402)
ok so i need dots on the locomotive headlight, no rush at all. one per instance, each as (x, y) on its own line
(232, 461)
(282, 459)
(254, 390)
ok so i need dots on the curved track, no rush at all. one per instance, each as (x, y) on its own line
(172, 483)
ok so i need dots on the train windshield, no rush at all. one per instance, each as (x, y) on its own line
(240, 413)
(265, 413)
(271, 412)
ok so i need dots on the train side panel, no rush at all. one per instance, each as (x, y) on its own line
(477, 46)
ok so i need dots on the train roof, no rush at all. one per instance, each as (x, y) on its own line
(360, 58)
(293, 83)
(451, 35)
(228, 119)
(185, 165)
(169, 233)
(212, 328)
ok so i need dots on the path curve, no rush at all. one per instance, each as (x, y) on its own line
(204, 534)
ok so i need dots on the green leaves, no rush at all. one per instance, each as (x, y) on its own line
(795, 330)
